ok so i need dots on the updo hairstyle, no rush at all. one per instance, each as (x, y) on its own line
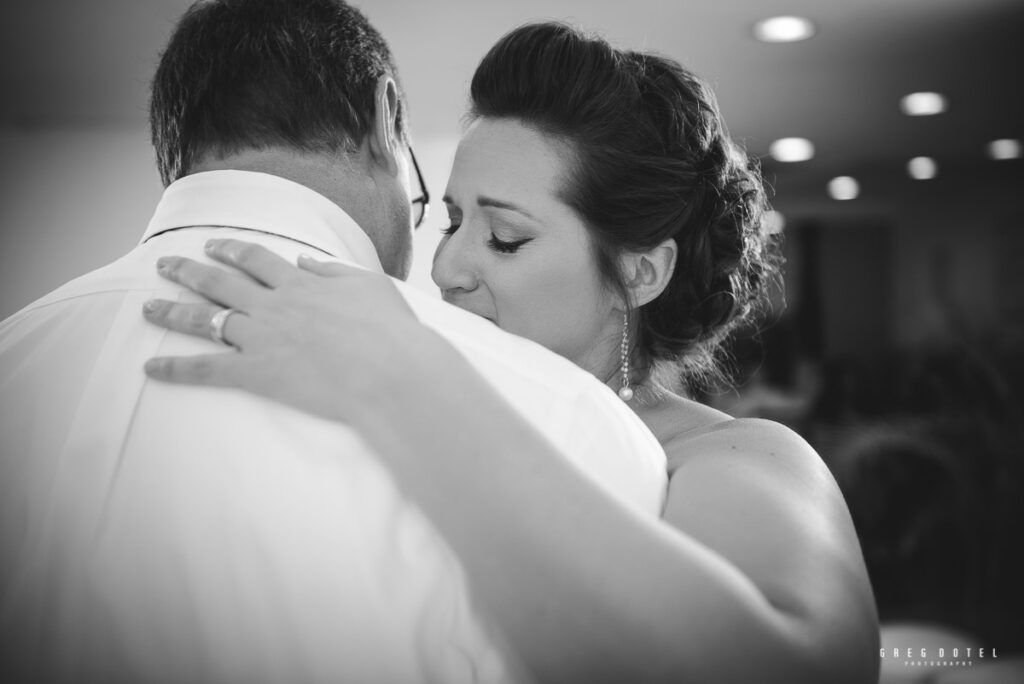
(649, 159)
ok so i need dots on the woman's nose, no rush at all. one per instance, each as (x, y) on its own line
(453, 264)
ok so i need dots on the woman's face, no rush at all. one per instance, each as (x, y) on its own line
(516, 254)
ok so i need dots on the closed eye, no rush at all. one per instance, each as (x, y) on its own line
(503, 247)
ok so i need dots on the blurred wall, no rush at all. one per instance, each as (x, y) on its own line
(947, 247)
(72, 198)
(912, 262)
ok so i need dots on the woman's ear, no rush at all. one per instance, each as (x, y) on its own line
(648, 273)
(384, 139)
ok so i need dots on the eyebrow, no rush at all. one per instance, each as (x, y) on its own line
(485, 201)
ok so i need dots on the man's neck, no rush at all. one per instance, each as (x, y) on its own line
(349, 179)
(339, 177)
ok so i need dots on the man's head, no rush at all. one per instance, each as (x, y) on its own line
(303, 81)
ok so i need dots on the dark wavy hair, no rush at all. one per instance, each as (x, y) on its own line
(241, 74)
(650, 159)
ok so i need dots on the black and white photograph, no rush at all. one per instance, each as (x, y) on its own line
(455, 341)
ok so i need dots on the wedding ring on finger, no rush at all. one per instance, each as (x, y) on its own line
(217, 324)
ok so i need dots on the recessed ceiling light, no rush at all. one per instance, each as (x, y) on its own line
(791, 149)
(923, 104)
(843, 188)
(774, 222)
(1005, 148)
(922, 168)
(783, 29)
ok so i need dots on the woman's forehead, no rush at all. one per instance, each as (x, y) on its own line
(502, 156)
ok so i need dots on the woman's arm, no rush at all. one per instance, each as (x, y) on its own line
(758, 494)
(584, 589)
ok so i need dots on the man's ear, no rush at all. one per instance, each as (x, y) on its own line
(384, 139)
(648, 273)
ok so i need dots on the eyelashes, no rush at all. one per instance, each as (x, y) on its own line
(503, 247)
(499, 246)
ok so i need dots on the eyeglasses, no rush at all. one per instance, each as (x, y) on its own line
(421, 204)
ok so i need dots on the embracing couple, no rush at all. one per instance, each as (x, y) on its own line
(355, 482)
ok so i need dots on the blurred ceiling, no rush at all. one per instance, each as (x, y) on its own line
(68, 62)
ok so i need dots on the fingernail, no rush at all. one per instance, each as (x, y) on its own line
(163, 263)
(150, 306)
(152, 366)
(212, 246)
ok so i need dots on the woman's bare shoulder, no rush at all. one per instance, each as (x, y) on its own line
(757, 493)
(756, 470)
(767, 454)
(691, 432)
(671, 417)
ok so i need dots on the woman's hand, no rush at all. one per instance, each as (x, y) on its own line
(318, 337)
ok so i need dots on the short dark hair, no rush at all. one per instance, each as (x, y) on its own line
(650, 160)
(241, 74)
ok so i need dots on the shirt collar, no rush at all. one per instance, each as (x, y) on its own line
(264, 203)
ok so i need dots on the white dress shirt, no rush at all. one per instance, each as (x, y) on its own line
(161, 533)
